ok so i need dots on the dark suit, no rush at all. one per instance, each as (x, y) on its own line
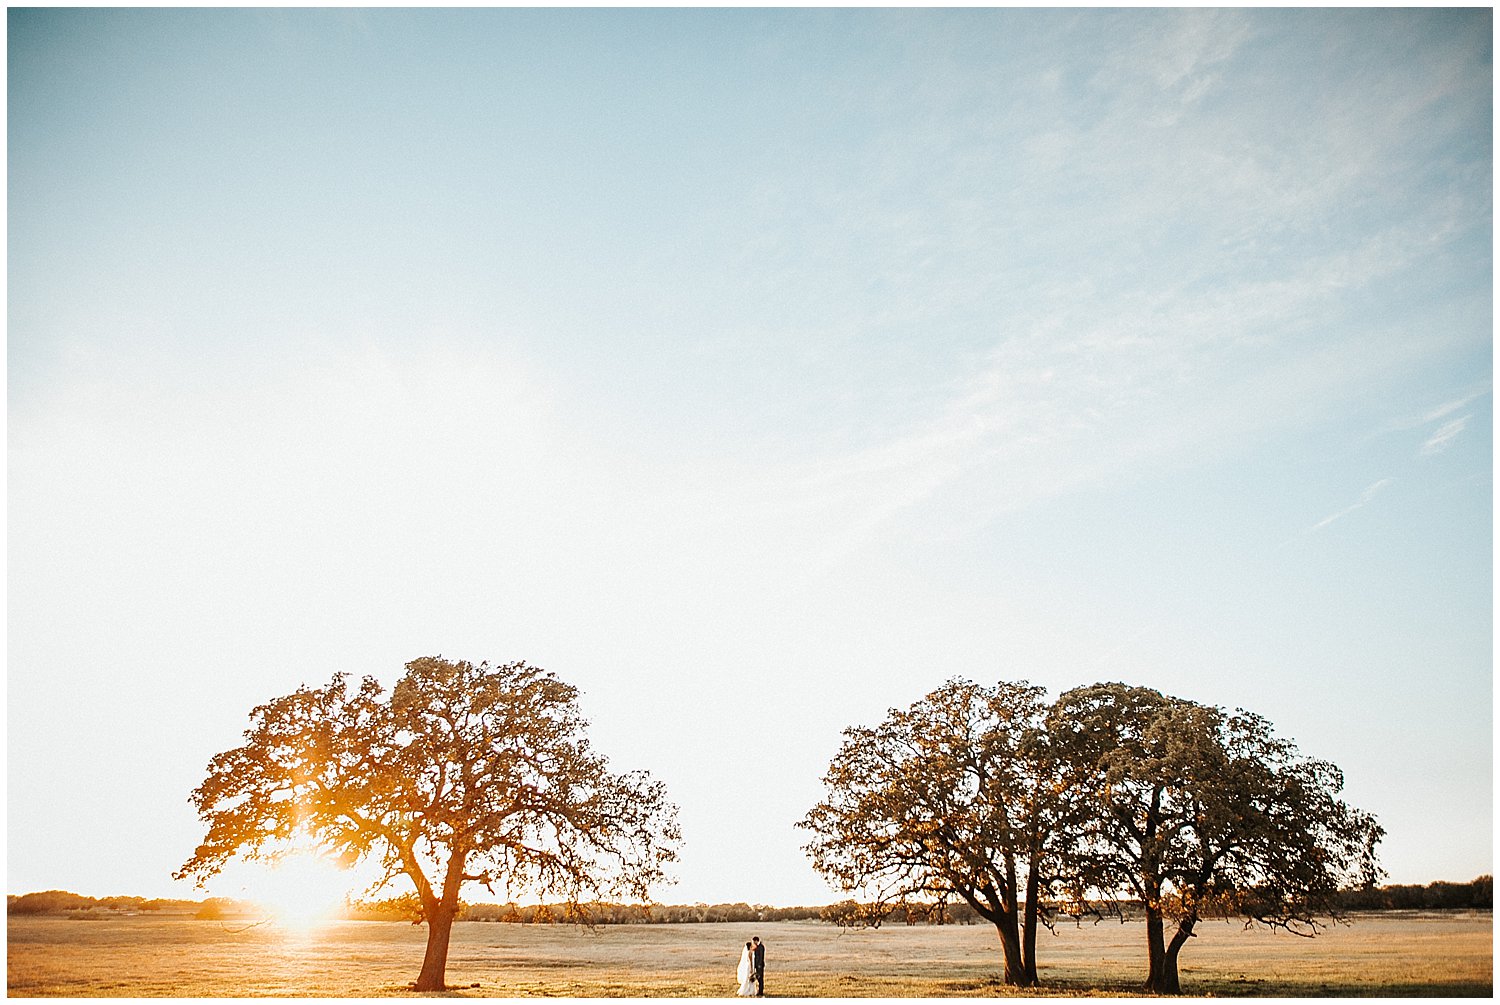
(759, 958)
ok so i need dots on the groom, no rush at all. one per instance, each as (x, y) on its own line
(759, 959)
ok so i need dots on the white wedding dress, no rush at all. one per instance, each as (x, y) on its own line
(746, 974)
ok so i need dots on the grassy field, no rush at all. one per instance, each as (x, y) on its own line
(1380, 955)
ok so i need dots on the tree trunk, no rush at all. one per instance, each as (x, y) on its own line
(1156, 952)
(1028, 926)
(435, 962)
(1010, 944)
(1184, 932)
(1002, 911)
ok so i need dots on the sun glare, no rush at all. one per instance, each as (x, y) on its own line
(301, 890)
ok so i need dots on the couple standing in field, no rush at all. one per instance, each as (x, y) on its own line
(752, 971)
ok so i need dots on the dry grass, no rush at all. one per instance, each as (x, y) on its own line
(1383, 955)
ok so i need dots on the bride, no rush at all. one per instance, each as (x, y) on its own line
(746, 974)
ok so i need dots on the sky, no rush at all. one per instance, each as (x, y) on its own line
(754, 371)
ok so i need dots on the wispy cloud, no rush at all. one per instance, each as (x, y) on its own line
(1431, 415)
(1364, 498)
(1440, 440)
(1103, 386)
(1448, 409)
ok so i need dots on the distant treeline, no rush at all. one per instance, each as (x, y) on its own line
(1474, 895)
(636, 914)
(1434, 896)
(63, 902)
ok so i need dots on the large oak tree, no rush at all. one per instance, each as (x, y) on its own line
(460, 774)
(952, 797)
(1197, 811)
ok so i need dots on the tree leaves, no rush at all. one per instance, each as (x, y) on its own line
(948, 798)
(1112, 791)
(1193, 801)
(463, 773)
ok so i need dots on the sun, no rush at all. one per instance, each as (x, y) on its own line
(301, 890)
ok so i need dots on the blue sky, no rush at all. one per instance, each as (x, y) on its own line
(756, 371)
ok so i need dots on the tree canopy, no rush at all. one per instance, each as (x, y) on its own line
(460, 774)
(1197, 811)
(1111, 791)
(950, 798)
